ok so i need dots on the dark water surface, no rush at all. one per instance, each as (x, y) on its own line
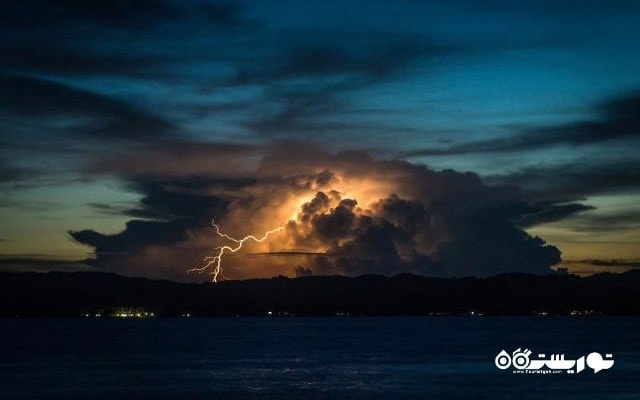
(310, 358)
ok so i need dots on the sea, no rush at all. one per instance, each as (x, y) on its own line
(435, 357)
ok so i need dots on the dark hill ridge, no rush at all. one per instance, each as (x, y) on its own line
(75, 293)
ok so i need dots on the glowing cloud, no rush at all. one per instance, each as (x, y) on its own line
(344, 213)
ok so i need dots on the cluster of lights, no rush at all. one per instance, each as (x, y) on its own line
(122, 313)
(583, 312)
(133, 315)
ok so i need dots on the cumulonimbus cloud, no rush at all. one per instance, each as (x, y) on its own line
(343, 213)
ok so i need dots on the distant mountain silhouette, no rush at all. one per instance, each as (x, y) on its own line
(77, 293)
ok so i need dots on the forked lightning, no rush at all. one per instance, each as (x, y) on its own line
(214, 263)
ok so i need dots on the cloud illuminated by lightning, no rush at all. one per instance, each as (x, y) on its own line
(214, 263)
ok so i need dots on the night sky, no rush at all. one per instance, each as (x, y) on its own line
(447, 138)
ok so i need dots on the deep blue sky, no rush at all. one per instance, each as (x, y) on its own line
(539, 95)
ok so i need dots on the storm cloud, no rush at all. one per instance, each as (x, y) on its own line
(167, 215)
(570, 183)
(55, 36)
(43, 101)
(343, 213)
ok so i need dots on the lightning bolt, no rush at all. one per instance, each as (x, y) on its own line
(214, 263)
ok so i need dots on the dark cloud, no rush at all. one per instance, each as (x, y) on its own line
(552, 213)
(615, 119)
(56, 59)
(428, 222)
(216, 163)
(596, 266)
(69, 37)
(168, 215)
(11, 174)
(554, 192)
(335, 224)
(170, 212)
(305, 84)
(303, 76)
(40, 16)
(495, 245)
(356, 242)
(97, 116)
(574, 181)
(411, 215)
(358, 61)
(454, 214)
(601, 222)
(137, 234)
(171, 200)
(108, 208)
(432, 222)
(393, 237)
